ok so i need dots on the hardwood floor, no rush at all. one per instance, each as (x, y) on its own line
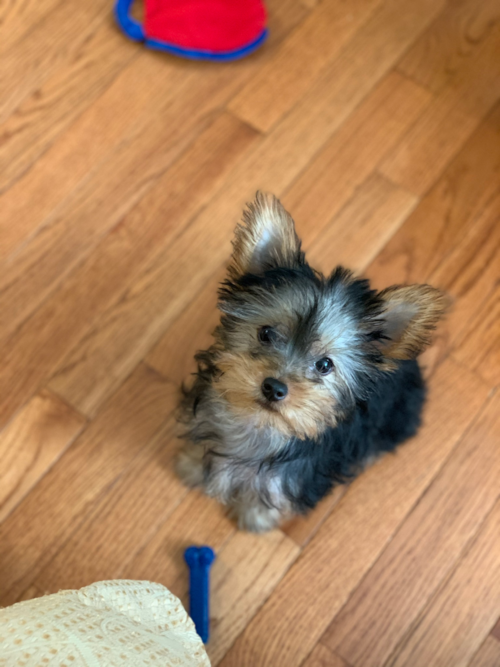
(122, 175)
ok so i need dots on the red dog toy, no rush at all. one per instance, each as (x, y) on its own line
(198, 29)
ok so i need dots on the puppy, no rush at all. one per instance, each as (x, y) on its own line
(309, 377)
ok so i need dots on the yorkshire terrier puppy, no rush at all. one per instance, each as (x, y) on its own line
(309, 377)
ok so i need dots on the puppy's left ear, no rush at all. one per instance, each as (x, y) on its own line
(410, 315)
(266, 238)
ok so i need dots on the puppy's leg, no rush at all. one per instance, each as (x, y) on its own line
(189, 465)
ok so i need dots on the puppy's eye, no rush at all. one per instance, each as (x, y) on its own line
(324, 366)
(267, 335)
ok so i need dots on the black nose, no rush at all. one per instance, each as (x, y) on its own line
(274, 390)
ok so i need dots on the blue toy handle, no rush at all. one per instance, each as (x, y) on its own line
(199, 561)
(128, 24)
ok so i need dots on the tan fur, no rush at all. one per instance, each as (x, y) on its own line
(306, 411)
(412, 314)
(265, 222)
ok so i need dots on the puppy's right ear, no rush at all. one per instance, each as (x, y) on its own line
(266, 239)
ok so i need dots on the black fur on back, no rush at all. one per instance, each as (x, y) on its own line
(310, 468)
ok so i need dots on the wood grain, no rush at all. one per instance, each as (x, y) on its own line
(457, 620)
(443, 54)
(56, 38)
(360, 527)
(419, 557)
(323, 657)
(362, 228)
(197, 520)
(35, 123)
(33, 441)
(496, 630)
(99, 548)
(149, 85)
(105, 276)
(18, 17)
(471, 275)
(96, 207)
(440, 220)
(353, 152)
(488, 655)
(442, 129)
(188, 333)
(148, 232)
(295, 66)
(246, 571)
(41, 524)
(301, 528)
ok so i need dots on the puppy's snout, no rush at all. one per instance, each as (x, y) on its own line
(274, 390)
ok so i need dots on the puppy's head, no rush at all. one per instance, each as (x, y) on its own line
(295, 349)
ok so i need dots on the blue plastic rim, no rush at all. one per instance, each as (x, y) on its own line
(134, 30)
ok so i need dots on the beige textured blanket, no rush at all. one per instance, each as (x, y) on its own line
(108, 624)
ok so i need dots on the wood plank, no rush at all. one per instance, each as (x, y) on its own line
(147, 231)
(60, 34)
(149, 85)
(323, 657)
(361, 229)
(29, 594)
(247, 569)
(479, 349)
(299, 61)
(112, 190)
(173, 357)
(461, 614)
(447, 123)
(423, 552)
(471, 275)
(85, 144)
(351, 155)
(31, 444)
(142, 498)
(111, 268)
(437, 58)
(34, 532)
(197, 520)
(488, 655)
(422, 155)
(19, 17)
(496, 630)
(360, 527)
(30, 127)
(438, 223)
(302, 528)
(277, 159)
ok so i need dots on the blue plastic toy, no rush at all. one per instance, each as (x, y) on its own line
(199, 561)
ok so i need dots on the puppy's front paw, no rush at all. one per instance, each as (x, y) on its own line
(189, 465)
(258, 518)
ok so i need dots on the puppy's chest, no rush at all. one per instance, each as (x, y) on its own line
(238, 438)
(236, 456)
